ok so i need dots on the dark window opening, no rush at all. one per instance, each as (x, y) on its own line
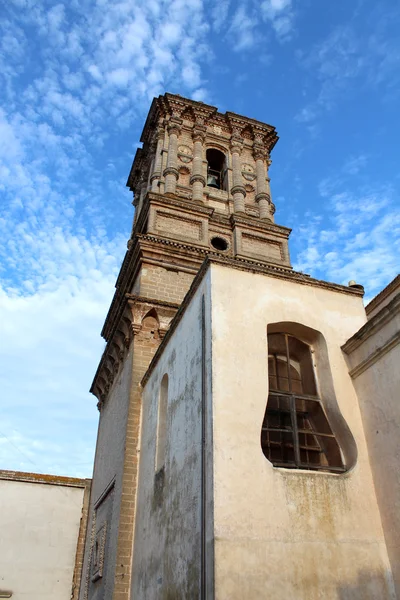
(295, 432)
(216, 169)
(219, 243)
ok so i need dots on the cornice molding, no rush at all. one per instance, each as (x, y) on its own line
(128, 325)
(243, 265)
(373, 325)
(389, 289)
(375, 356)
(256, 223)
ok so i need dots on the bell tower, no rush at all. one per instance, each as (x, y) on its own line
(201, 187)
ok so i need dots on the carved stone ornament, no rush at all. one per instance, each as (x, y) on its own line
(185, 154)
(97, 562)
(258, 152)
(217, 129)
(248, 172)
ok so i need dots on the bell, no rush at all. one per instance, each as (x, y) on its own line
(212, 181)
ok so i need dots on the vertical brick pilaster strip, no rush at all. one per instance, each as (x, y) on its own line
(144, 347)
(80, 547)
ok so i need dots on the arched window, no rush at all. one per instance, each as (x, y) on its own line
(295, 432)
(162, 424)
(216, 169)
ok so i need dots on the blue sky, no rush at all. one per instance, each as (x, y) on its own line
(76, 82)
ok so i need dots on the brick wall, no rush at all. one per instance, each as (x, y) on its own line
(164, 284)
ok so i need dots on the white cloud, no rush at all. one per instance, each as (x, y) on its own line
(353, 55)
(50, 347)
(281, 16)
(66, 216)
(359, 239)
(243, 28)
(355, 164)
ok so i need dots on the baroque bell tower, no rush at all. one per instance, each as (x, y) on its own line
(201, 187)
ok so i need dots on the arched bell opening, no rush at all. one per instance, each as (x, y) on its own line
(216, 169)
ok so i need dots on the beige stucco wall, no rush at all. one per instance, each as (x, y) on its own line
(39, 525)
(167, 555)
(281, 533)
(374, 359)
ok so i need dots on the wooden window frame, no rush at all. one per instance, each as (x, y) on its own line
(290, 415)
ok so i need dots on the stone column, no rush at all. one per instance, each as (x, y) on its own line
(238, 190)
(143, 189)
(156, 174)
(197, 180)
(263, 195)
(171, 172)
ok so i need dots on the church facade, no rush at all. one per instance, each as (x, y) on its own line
(235, 455)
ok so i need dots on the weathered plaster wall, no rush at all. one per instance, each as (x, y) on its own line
(166, 560)
(281, 533)
(108, 467)
(374, 359)
(39, 524)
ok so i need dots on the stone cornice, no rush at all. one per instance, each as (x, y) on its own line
(171, 110)
(177, 202)
(389, 289)
(255, 223)
(127, 324)
(172, 105)
(188, 251)
(372, 326)
(243, 265)
(375, 356)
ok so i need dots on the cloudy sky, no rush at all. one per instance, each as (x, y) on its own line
(76, 82)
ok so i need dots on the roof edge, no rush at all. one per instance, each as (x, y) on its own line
(60, 480)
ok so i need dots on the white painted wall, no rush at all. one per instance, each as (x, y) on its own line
(275, 533)
(39, 525)
(377, 347)
(283, 533)
(166, 562)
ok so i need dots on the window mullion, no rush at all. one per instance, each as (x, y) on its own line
(276, 371)
(293, 415)
(288, 363)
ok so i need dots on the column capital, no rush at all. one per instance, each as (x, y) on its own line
(263, 196)
(171, 171)
(237, 143)
(174, 126)
(259, 137)
(199, 133)
(197, 177)
(259, 152)
(238, 189)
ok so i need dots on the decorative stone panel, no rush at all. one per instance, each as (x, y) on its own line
(252, 244)
(178, 226)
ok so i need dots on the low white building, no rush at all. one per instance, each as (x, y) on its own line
(42, 525)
